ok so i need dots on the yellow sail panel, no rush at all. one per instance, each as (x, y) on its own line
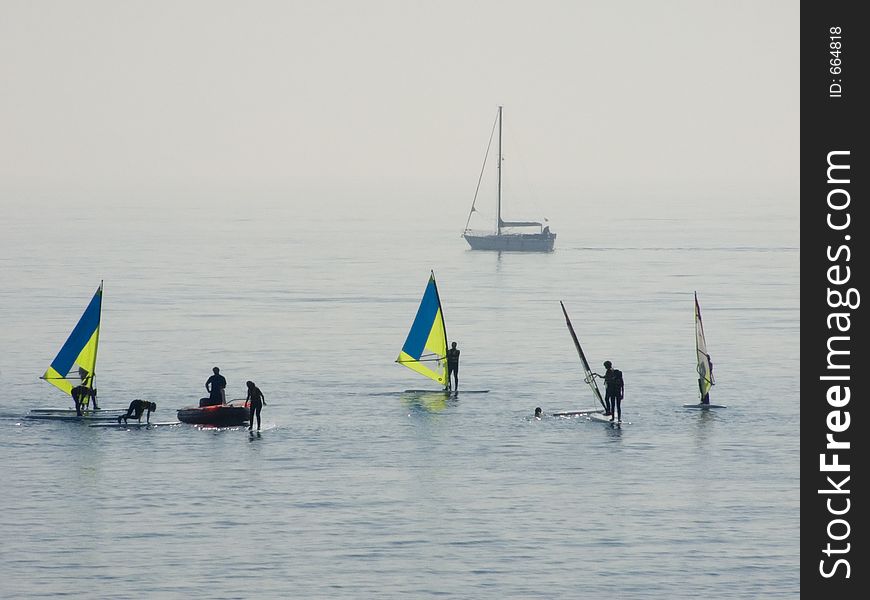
(58, 380)
(425, 349)
(438, 374)
(86, 362)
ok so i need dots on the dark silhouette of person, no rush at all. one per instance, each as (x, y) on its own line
(87, 381)
(705, 398)
(80, 394)
(255, 400)
(215, 386)
(453, 365)
(538, 413)
(136, 408)
(613, 391)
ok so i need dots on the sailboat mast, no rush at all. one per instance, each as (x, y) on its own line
(498, 217)
(97, 339)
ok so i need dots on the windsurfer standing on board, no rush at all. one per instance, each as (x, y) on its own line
(705, 398)
(453, 365)
(614, 387)
(215, 386)
(91, 392)
(255, 400)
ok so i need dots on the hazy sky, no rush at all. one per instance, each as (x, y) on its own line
(623, 97)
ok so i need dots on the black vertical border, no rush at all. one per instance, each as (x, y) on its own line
(832, 124)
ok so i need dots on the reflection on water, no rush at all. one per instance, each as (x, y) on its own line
(412, 495)
(428, 402)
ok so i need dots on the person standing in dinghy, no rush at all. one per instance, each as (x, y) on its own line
(215, 386)
(613, 391)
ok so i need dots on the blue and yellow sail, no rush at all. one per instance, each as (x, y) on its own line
(425, 350)
(76, 362)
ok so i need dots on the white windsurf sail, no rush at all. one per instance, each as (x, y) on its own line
(705, 365)
(588, 378)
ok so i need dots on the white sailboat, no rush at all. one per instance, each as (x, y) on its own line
(505, 238)
(705, 364)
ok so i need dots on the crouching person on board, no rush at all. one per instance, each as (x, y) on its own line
(136, 408)
(81, 395)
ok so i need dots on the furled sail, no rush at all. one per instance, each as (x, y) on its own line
(588, 378)
(425, 350)
(77, 358)
(705, 365)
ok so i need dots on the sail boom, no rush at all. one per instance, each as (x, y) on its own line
(521, 224)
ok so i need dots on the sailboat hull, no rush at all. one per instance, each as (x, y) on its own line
(512, 242)
(220, 415)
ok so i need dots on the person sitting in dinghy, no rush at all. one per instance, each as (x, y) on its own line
(136, 408)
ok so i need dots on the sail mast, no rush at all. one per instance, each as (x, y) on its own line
(498, 217)
(440, 309)
(96, 341)
(443, 322)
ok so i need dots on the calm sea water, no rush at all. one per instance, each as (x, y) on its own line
(359, 491)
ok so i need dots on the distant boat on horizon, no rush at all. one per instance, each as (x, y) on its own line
(542, 240)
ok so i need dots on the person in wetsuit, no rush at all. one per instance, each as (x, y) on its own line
(453, 365)
(80, 395)
(87, 381)
(136, 408)
(255, 400)
(613, 391)
(538, 413)
(215, 386)
(705, 398)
